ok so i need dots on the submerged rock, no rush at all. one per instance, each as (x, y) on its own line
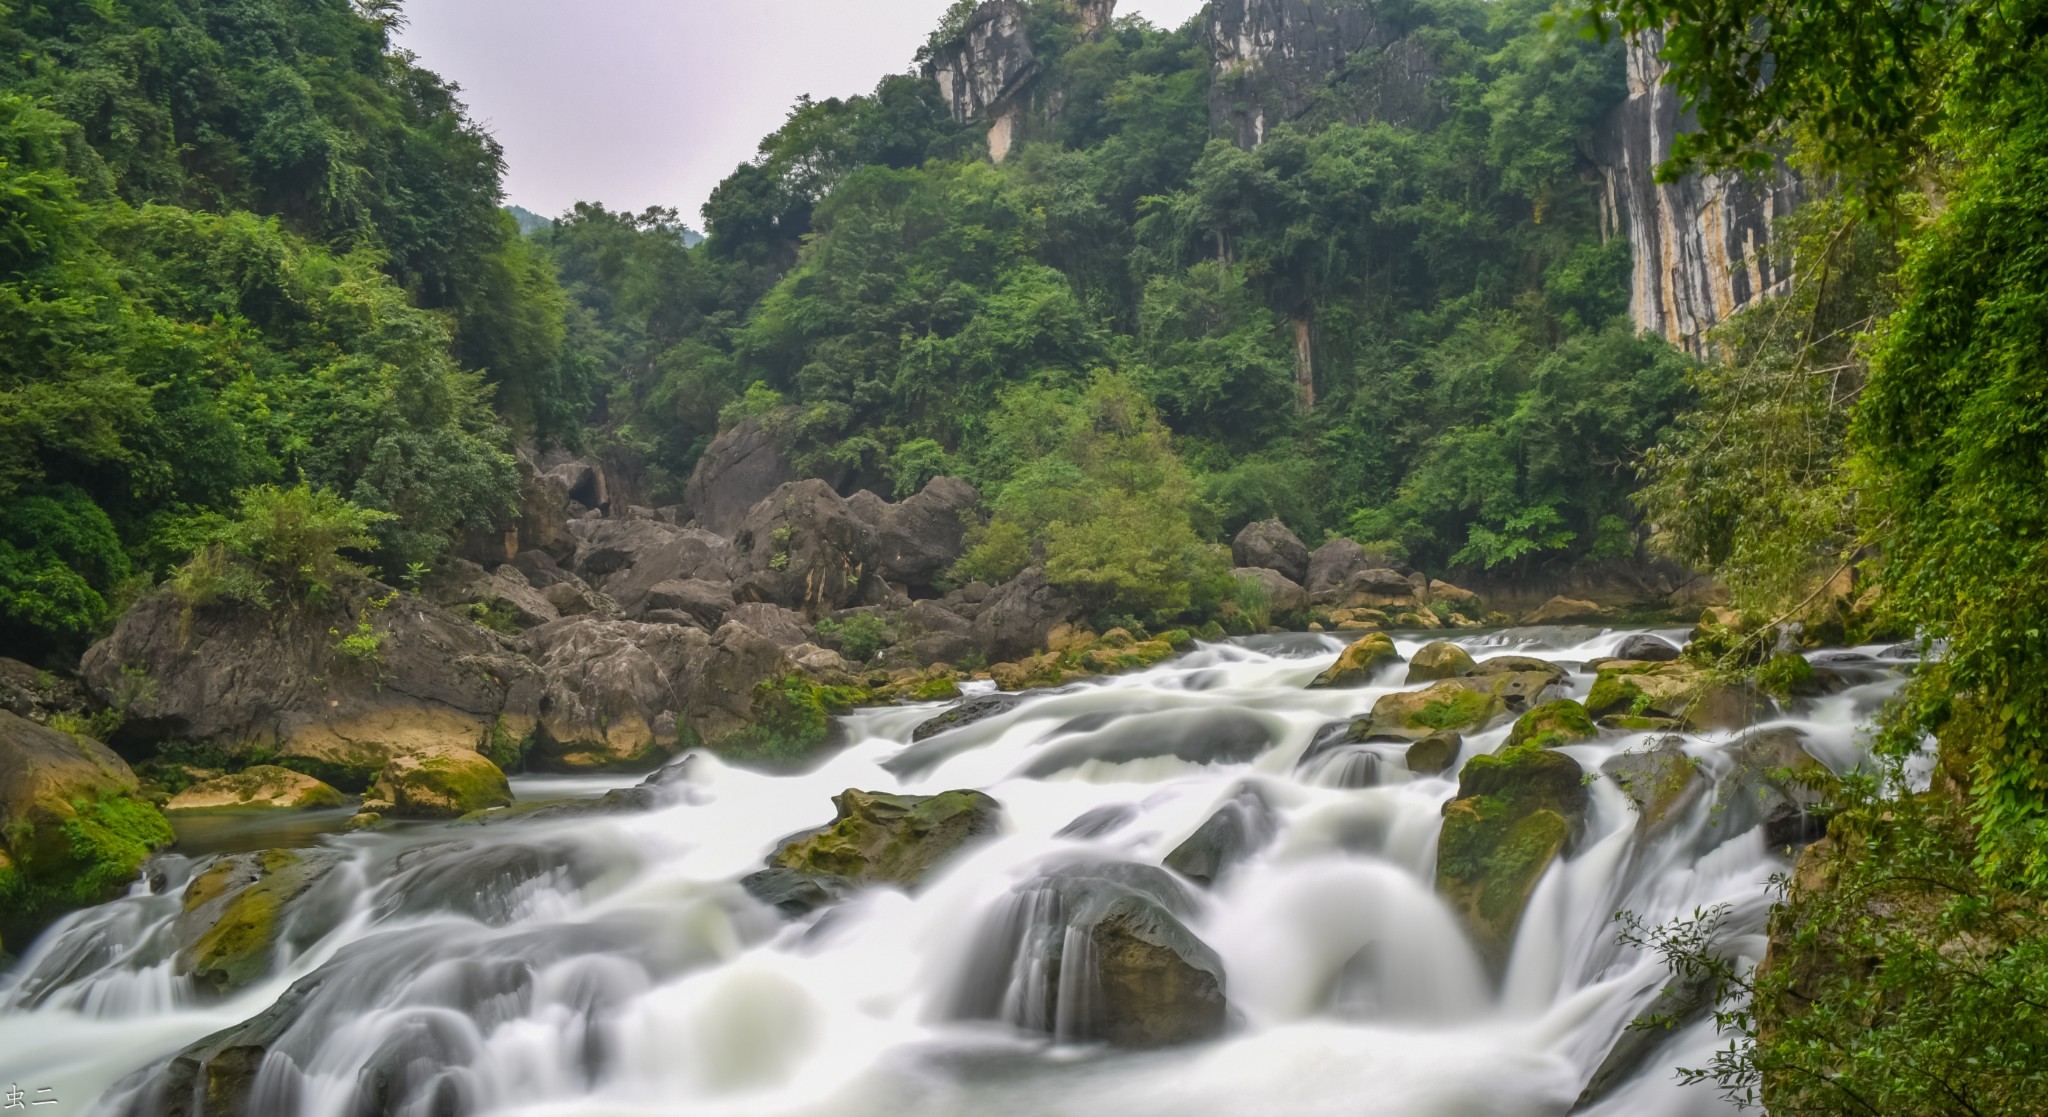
(1357, 664)
(879, 838)
(1098, 951)
(1239, 828)
(258, 788)
(1515, 814)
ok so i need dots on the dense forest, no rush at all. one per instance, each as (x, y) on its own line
(254, 246)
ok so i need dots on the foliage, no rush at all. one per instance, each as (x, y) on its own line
(284, 541)
(859, 636)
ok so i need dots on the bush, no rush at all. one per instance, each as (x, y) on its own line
(859, 636)
(283, 541)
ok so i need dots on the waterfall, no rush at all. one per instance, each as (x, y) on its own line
(609, 962)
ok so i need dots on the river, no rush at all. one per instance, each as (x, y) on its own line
(609, 963)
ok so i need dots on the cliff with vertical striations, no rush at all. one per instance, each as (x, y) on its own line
(987, 72)
(1701, 245)
(1283, 60)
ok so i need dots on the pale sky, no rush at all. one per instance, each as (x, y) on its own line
(651, 102)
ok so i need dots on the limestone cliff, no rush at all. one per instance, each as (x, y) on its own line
(987, 71)
(1280, 60)
(1700, 245)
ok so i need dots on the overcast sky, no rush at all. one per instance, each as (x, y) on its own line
(651, 102)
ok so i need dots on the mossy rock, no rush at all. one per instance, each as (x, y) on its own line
(1786, 676)
(1662, 782)
(243, 904)
(1357, 664)
(1466, 705)
(1516, 813)
(789, 721)
(1563, 722)
(73, 830)
(442, 782)
(264, 787)
(1440, 660)
(1679, 691)
(879, 838)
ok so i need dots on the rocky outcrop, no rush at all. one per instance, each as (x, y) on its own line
(1701, 245)
(628, 558)
(804, 548)
(242, 676)
(72, 830)
(1275, 60)
(918, 539)
(1514, 816)
(879, 838)
(35, 695)
(1646, 648)
(1268, 543)
(737, 471)
(260, 787)
(605, 694)
(1018, 616)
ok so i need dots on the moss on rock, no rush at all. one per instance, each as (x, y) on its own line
(262, 787)
(1439, 660)
(878, 838)
(243, 903)
(1562, 722)
(789, 719)
(1515, 814)
(443, 782)
(1357, 664)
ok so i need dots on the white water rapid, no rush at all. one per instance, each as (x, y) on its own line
(609, 963)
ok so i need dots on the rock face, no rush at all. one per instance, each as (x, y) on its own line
(919, 538)
(260, 787)
(605, 694)
(1275, 58)
(1018, 616)
(1701, 244)
(738, 470)
(1515, 814)
(1268, 543)
(442, 782)
(72, 831)
(879, 838)
(628, 558)
(243, 676)
(983, 74)
(802, 547)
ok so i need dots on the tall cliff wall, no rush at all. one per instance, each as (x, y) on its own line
(1282, 60)
(987, 72)
(1701, 245)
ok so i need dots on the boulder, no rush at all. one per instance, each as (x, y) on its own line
(242, 676)
(1358, 664)
(1239, 828)
(1440, 660)
(921, 538)
(73, 832)
(733, 685)
(1457, 597)
(879, 838)
(1332, 565)
(1515, 814)
(1283, 596)
(936, 634)
(1518, 665)
(1773, 782)
(628, 558)
(1644, 647)
(1018, 615)
(1378, 588)
(569, 599)
(1470, 704)
(803, 548)
(1434, 754)
(737, 471)
(706, 602)
(978, 708)
(785, 627)
(240, 909)
(604, 695)
(1564, 610)
(35, 695)
(439, 782)
(1269, 544)
(1562, 722)
(1661, 781)
(1145, 981)
(1676, 690)
(262, 787)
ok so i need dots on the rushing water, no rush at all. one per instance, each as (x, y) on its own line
(610, 964)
